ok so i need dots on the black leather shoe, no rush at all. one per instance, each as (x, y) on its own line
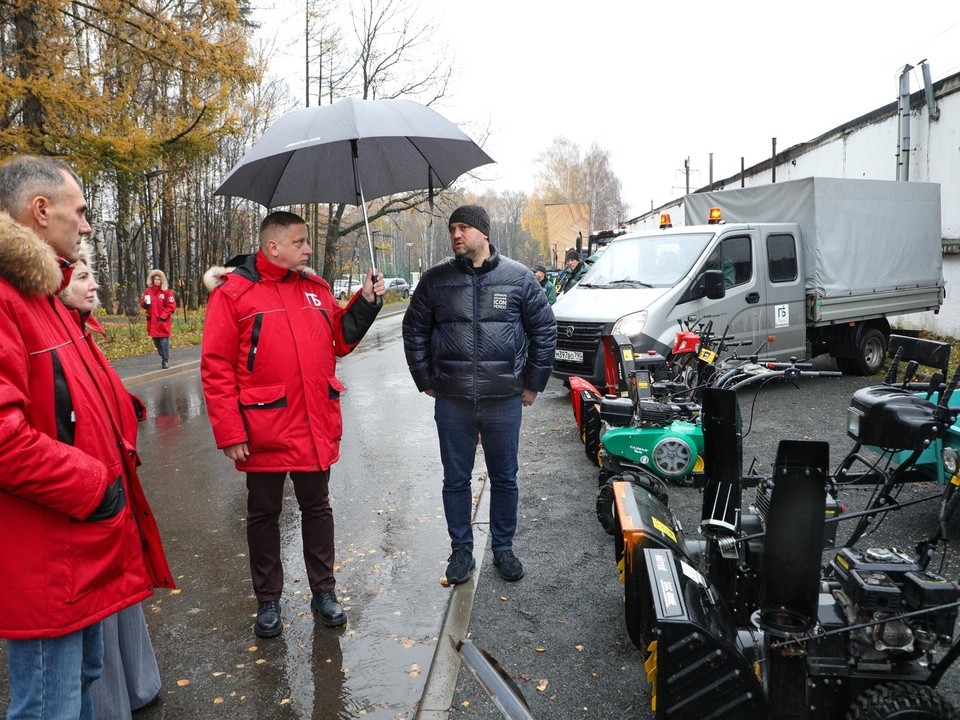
(268, 623)
(326, 605)
(164, 364)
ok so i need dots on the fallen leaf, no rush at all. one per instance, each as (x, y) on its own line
(183, 682)
(579, 648)
(443, 582)
(217, 700)
(285, 701)
(541, 649)
(504, 598)
(525, 677)
(253, 648)
(542, 685)
(261, 661)
(218, 673)
(175, 592)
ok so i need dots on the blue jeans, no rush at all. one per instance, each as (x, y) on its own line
(496, 422)
(163, 347)
(50, 678)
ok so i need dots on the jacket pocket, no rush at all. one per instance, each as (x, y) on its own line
(264, 411)
(334, 388)
(100, 552)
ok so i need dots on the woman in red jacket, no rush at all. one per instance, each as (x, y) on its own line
(158, 301)
(131, 676)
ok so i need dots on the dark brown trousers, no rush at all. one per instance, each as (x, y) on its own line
(264, 504)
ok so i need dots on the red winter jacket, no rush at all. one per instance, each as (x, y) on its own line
(61, 444)
(268, 365)
(161, 307)
(131, 410)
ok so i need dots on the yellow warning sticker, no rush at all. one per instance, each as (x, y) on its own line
(665, 530)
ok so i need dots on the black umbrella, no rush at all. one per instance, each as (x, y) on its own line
(336, 153)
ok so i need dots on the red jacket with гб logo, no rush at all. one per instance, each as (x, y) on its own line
(271, 340)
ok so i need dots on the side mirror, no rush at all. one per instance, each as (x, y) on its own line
(714, 286)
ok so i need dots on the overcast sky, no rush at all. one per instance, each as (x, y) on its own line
(654, 82)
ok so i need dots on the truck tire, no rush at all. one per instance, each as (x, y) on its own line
(901, 700)
(871, 352)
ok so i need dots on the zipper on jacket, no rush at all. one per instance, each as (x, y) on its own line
(254, 340)
(62, 403)
(476, 342)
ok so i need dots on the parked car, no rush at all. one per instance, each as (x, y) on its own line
(344, 288)
(413, 287)
(397, 285)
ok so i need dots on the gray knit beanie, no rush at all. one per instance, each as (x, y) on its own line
(472, 215)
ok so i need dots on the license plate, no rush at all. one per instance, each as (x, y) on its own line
(568, 355)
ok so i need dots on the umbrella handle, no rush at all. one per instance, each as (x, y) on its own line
(363, 206)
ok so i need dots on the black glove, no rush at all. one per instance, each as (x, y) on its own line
(114, 500)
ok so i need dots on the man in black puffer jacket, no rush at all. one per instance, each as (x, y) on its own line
(479, 337)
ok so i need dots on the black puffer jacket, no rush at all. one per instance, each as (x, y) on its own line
(479, 332)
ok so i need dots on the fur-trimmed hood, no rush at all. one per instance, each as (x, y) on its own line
(26, 261)
(163, 279)
(214, 277)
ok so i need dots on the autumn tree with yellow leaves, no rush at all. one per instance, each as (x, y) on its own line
(121, 88)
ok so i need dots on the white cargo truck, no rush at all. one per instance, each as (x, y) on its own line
(797, 269)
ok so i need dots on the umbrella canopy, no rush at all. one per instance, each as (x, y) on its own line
(352, 149)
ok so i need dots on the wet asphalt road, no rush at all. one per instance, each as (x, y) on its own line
(559, 633)
(391, 553)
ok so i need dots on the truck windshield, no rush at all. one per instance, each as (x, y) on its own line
(651, 260)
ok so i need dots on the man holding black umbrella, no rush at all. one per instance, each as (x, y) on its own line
(271, 340)
(479, 337)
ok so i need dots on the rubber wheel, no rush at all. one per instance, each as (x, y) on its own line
(605, 507)
(590, 433)
(847, 366)
(871, 352)
(902, 701)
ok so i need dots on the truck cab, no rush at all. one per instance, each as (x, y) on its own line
(645, 282)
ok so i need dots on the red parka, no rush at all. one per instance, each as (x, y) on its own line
(61, 444)
(271, 340)
(160, 307)
(130, 411)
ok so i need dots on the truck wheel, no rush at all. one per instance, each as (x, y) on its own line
(871, 352)
(901, 701)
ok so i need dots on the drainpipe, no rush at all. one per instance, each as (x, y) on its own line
(933, 112)
(773, 160)
(903, 134)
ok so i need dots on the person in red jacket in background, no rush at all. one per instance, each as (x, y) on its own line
(157, 299)
(73, 550)
(271, 339)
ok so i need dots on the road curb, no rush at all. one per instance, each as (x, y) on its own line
(135, 380)
(442, 678)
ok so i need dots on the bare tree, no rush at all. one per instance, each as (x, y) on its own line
(567, 176)
(395, 55)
